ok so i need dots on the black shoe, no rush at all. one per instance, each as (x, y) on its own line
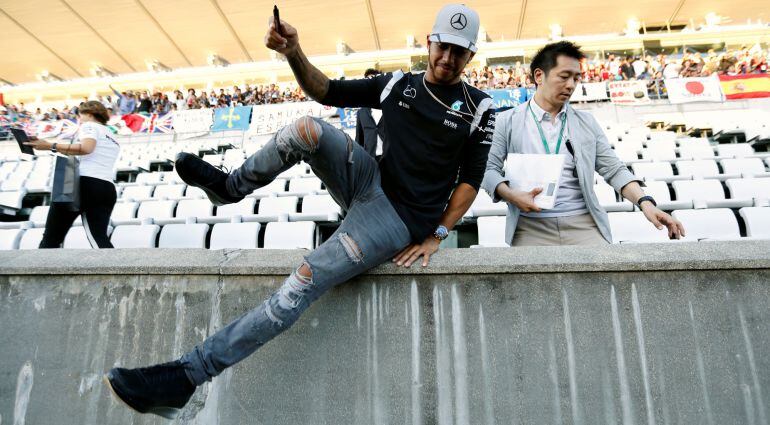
(199, 173)
(161, 389)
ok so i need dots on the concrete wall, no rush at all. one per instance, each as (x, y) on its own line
(648, 334)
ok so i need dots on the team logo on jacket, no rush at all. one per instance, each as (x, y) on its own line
(410, 91)
(457, 105)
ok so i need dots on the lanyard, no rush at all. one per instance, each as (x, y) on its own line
(542, 135)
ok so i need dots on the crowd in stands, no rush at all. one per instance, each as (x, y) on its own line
(144, 102)
(650, 68)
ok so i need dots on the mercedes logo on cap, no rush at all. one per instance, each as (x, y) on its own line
(458, 21)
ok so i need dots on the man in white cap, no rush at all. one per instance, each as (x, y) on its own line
(438, 132)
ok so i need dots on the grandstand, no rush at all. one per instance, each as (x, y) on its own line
(719, 190)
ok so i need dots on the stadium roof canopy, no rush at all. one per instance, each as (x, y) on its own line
(68, 38)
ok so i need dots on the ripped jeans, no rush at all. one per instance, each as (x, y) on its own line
(370, 234)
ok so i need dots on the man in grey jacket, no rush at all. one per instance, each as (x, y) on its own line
(547, 124)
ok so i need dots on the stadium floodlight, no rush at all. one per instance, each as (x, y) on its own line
(155, 65)
(216, 60)
(411, 42)
(632, 27)
(556, 31)
(47, 77)
(714, 20)
(100, 71)
(343, 49)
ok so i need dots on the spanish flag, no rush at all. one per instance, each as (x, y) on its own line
(745, 86)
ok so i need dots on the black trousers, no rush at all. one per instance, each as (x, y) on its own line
(97, 199)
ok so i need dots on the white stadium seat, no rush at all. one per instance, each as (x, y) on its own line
(608, 199)
(659, 152)
(662, 195)
(31, 238)
(698, 169)
(137, 193)
(155, 210)
(746, 167)
(633, 227)
(197, 208)
(317, 208)
(183, 236)
(714, 223)
(39, 215)
(275, 208)
(124, 211)
(692, 150)
(12, 199)
(149, 178)
(244, 208)
(193, 192)
(757, 221)
(627, 153)
(491, 231)
(135, 236)
(735, 150)
(304, 186)
(290, 235)
(483, 206)
(235, 235)
(757, 190)
(77, 239)
(653, 170)
(10, 238)
(276, 187)
(169, 191)
(706, 193)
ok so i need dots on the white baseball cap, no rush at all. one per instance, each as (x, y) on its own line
(456, 24)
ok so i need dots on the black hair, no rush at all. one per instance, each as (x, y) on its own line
(370, 72)
(545, 58)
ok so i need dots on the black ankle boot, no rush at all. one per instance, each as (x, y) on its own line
(161, 389)
(199, 173)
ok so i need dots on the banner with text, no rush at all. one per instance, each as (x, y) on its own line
(508, 98)
(267, 119)
(745, 86)
(628, 92)
(585, 92)
(193, 122)
(232, 118)
(687, 90)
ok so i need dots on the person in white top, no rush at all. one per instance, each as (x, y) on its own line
(98, 151)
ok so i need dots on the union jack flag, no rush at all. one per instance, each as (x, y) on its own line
(157, 124)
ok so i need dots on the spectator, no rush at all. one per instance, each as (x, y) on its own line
(145, 103)
(126, 102)
(627, 70)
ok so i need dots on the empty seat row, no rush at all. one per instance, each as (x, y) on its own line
(281, 235)
(633, 227)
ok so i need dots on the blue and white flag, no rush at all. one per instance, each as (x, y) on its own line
(233, 118)
(507, 98)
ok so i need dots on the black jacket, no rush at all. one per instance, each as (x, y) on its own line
(367, 130)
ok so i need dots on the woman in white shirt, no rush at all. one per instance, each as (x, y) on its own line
(98, 153)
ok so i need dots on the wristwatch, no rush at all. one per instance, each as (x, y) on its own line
(646, 198)
(53, 148)
(441, 233)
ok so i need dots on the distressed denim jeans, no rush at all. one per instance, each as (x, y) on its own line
(370, 234)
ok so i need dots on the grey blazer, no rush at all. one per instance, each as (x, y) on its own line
(592, 152)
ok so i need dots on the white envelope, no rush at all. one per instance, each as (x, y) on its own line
(528, 171)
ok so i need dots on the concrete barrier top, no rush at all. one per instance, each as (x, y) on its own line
(631, 257)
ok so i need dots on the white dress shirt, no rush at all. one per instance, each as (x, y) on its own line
(569, 198)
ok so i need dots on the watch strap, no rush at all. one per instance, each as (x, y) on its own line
(646, 198)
